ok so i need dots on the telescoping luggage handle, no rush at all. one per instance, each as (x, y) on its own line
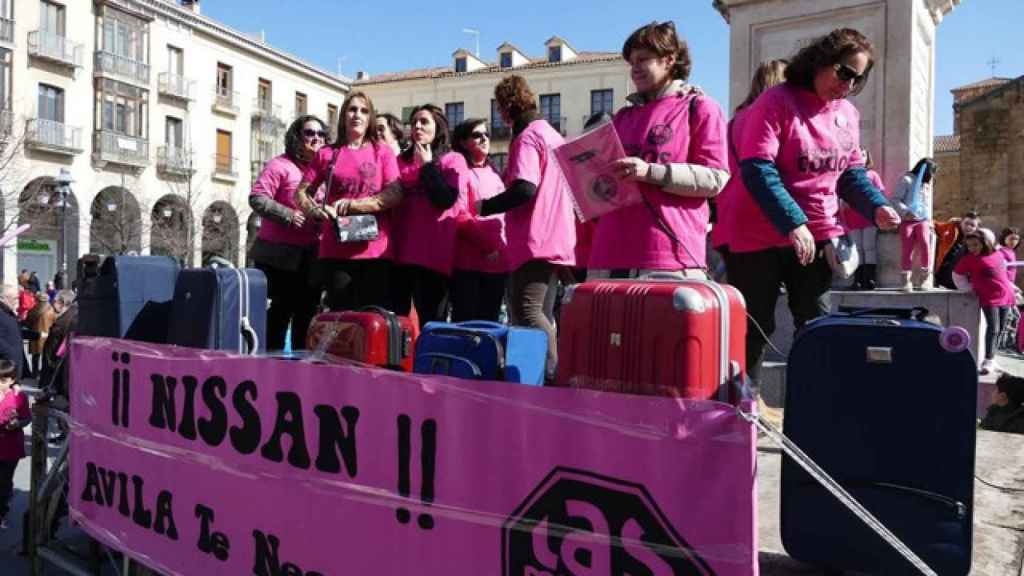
(910, 313)
(396, 346)
(248, 339)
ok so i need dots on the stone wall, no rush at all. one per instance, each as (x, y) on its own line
(947, 186)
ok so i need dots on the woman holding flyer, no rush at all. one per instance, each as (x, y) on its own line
(674, 139)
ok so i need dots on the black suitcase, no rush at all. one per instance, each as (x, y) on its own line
(129, 298)
(888, 410)
(220, 309)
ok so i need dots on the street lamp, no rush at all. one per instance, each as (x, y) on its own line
(64, 181)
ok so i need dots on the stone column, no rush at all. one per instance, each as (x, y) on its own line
(897, 106)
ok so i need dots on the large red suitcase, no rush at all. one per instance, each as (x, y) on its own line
(680, 338)
(373, 335)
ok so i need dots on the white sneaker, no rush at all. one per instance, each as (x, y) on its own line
(988, 366)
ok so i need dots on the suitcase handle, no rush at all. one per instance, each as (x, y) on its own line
(482, 324)
(445, 361)
(394, 334)
(914, 313)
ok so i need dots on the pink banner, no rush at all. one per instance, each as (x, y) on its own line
(204, 463)
(584, 161)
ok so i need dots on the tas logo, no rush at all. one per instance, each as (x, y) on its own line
(659, 135)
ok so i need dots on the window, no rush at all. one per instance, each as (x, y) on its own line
(497, 124)
(51, 18)
(332, 120)
(224, 80)
(174, 133)
(407, 114)
(224, 151)
(554, 53)
(460, 64)
(455, 111)
(5, 79)
(175, 61)
(122, 108)
(51, 103)
(600, 101)
(551, 109)
(300, 103)
(264, 95)
(124, 35)
(506, 60)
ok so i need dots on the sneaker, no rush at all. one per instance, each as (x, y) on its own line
(988, 366)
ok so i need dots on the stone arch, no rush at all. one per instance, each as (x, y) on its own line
(54, 221)
(116, 226)
(252, 228)
(220, 232)
(170, 231)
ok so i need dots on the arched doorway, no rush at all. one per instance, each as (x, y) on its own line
(252, 228)
(53, 233)
(170, 232)
(116, 226)
(220, 232)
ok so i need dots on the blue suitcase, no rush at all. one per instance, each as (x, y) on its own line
(220, 309)
(877, 400)
(129, 298)
(480, 350)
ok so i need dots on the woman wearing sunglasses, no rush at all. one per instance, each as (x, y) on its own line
(799, 153)
(285, 248)
(424, 249)
(481, 268)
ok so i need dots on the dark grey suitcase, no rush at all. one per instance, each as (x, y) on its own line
(130, 298)
(220, 309)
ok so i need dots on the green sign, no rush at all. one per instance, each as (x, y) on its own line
(35, 245)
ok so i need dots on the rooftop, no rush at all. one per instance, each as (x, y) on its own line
(947, 143)
(449, 71)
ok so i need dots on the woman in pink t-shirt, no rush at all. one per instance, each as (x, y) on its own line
(674, 139)
(1009, 239)
(983, 270)
(799, 153)
(363, 177)
(481, 263)
(285, 249)
(425, 246)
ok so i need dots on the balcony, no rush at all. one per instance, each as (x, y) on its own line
(175, 86)
(225, 168)
(6, 124)
(120, 149)
(225, 102)
(54, 48)
(501, 132)
(50, 136)
(264, 109)
(123, 68)
(174, 161)
(7, 30)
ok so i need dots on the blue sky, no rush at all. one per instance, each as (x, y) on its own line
(390, 35)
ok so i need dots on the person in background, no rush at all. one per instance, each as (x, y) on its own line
(26, 297)
(799, 154)
(538, 210)
(950, 246)
(674, 137)
(285, 248)
(983, 271)
(915, 209)
(363, 175)
(389, 130)
(1006, 414)
(1009, 239)
(40, 319)
(14, 417)
(51, 291)
(51, 375)
(481, 265)
(33, 283)
(864, 233)
(11, 343)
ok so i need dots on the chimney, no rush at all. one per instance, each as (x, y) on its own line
(192, 5)
(362, 75)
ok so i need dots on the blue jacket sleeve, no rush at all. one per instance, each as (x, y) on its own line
(856, 189)
(762, 178)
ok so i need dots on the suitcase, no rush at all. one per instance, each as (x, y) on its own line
(680, 338)
(129, 297)
(220, 309)
(481, 350)
(886, 406)
(372, 335)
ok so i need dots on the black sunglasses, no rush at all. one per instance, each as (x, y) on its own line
(311, 133)
(846, 73)
(480, 136)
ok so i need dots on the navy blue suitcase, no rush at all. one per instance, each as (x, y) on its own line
(129, 298)
(220, 309)
(889, 412)
(480, 350)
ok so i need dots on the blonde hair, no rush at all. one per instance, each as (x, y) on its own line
(768, 74)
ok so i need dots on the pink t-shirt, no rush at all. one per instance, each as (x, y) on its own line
(13, 407)
(812, 143)
(425, 236)
(853, 220)
(1010, 256)
(481, 244)
(722, 233)
(667, 130)
(541, 229)
(988, 278)
(357, 174)
(279, 179)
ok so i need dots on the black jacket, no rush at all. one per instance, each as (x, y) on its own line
(1004, 419)
(12, 346)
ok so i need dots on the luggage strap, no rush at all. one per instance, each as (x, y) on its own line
(823, 478)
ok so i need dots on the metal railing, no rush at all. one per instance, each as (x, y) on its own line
(128, 68)
(6, 123)
(174, 159)
(225, 101)
(261, 107)
(175, 85)
(53, 135)
(225, 166)
(121, 148)
(44, 44)
(7, 30)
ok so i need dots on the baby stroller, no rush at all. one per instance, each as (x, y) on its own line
(1012, 339)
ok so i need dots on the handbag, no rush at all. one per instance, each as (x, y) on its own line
(350, 228)
(843, 256)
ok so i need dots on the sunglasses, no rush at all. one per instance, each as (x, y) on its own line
(846, 73)
(314, 134)
(480, 136)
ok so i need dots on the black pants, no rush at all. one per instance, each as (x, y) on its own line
(352, 284)
(6, 485)
(995, 323)
(758, 275)
(425, 288)
(477, 295)
(532, 289)
(294, 299)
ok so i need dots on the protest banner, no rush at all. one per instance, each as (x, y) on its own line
(584, 161)
(196, 462)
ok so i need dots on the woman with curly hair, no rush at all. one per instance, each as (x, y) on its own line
(799, 153)
(539, 218)
(285, 248)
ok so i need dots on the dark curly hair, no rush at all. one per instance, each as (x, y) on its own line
(661, 39)
(293, 139)
(514, 96)
(827, 51)
(439, 145)
(1008, 231)
(463, 132)
(371, 122)
(929, 172)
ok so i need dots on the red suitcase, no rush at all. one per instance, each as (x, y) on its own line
(373, 335)
(680, 338)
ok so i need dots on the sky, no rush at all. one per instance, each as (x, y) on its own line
(392, 35)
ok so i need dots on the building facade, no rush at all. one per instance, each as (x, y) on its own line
(160, 116)
(570, 86)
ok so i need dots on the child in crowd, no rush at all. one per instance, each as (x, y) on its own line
(1006, 414)
(14, 415)
(913, 200)
(983, 270)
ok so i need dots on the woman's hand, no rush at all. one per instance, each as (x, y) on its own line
(298, 219)
(803, 243)
(337, 208)
(423, 152)
(631, 168)
(886, 218)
